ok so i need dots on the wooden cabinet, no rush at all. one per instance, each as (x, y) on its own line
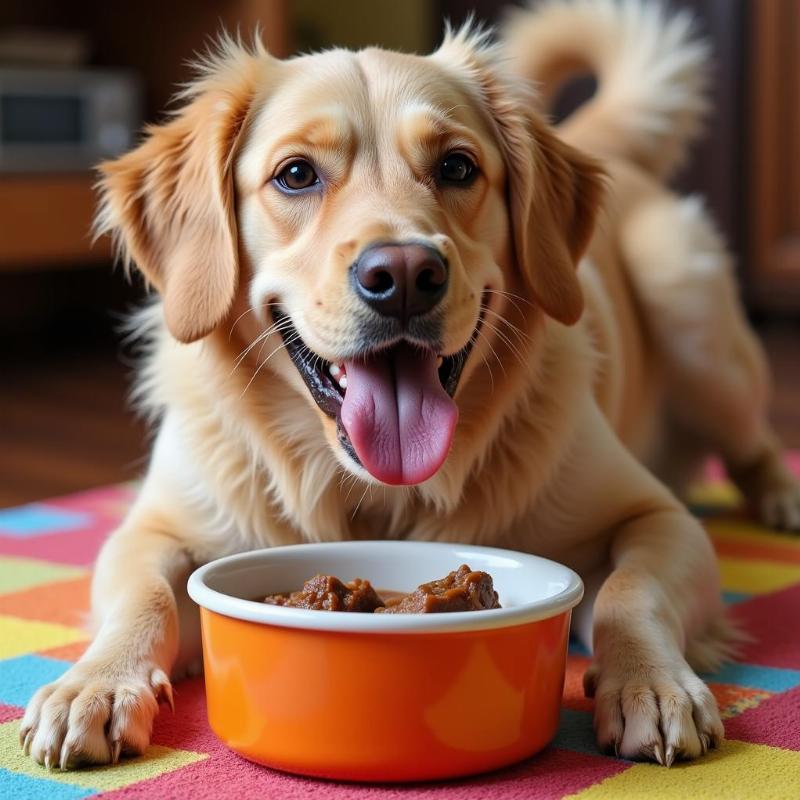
(45, 222)
(773, 190)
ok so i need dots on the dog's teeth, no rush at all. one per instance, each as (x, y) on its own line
(439, 361)
(339, 374)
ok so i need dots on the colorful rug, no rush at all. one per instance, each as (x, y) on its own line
(46, 550)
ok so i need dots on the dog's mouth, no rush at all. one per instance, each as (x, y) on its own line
(393, 405)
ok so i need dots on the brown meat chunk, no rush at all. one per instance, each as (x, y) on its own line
(462, 590)
(327, 593)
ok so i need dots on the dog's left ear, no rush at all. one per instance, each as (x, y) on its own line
(554, 192)
(170, 202)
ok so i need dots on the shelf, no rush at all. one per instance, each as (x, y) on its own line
(45, 222)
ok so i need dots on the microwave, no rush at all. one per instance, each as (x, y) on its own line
(65, 120)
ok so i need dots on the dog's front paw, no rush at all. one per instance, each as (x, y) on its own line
(653, 713)
(779, 506)
(771, 489)
(93, 714)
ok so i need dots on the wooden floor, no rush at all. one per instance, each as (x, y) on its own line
(65, 425)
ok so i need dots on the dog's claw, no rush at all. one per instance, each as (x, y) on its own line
(26, 745)
(48, 764)
(658, 752)
(64, 760)
(165, 695)
(116, 749)
(670, 757)
(162, 688)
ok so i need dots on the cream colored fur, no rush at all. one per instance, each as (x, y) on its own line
(557, 420)
(651, 72)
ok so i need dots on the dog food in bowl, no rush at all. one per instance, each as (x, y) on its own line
(327, 593)
(463, 589)
(425, 696)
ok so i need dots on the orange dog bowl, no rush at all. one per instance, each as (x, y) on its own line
(374, 697)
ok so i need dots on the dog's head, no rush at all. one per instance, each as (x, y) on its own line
(374, 211)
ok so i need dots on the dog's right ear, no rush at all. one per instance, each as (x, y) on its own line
(553, 192)
(170, 202)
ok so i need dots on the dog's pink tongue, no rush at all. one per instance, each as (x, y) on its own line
(399, 418)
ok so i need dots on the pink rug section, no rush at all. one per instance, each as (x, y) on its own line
(78, 549)
(775, 722)
(226, 776)
(10, 713)
(553, 775)
(104, 509)
(111, 500)
(775, 618)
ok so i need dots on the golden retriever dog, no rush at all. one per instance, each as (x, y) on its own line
(395, 302)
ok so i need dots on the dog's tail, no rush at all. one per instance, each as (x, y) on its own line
(651, 72)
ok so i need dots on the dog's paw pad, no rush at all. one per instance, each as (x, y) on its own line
(656, 715)
(92, 715)
(780, 507)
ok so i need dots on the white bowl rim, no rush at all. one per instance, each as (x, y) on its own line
(254, 611)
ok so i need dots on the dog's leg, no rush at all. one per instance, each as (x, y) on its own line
(652, 598)
(717, 376)
(105, 704)
(661, 592)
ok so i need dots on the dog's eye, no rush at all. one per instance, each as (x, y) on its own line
(456, 168)
(297, 175)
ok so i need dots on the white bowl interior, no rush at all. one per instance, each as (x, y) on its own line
(527, 586)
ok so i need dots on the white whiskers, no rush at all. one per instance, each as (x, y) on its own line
(280, 347)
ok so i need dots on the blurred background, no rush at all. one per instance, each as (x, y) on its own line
(78, 80)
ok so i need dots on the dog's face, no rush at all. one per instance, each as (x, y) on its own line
(372, 214)
(371, 209)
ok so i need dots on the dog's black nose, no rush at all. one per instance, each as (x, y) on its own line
(401, 280)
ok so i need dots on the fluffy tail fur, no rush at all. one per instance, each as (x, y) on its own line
(650, 68)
